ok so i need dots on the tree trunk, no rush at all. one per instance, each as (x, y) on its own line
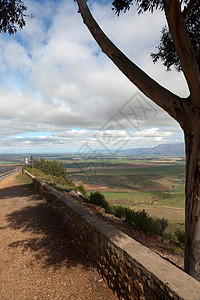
(189, 65)
(192, 193)
(185, 111)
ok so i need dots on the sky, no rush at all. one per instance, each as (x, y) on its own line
(60, 94)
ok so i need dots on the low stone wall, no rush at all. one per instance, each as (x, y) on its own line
(130, 269)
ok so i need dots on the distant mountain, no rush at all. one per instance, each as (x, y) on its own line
(160, 150)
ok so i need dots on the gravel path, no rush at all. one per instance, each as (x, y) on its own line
(38, 257)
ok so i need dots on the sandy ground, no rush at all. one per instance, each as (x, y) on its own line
(38, 257)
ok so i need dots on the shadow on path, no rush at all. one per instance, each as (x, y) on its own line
(23, 190)
(49, 240)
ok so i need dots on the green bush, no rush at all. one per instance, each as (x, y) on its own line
(141, 219)
(99, 199)
(118, 211)
(180, 235)
(161, 225)
(50, 167)
(145, 222)
(64, 183)
(70, 183)
(81, 189)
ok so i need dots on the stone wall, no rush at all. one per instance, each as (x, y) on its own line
(130, 269)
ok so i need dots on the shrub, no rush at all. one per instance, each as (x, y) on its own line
(145, 222)
(141, 219)
(50, 167)
(70, 183)
(118, 211)
(130, 215)
(55, 181)
(180, 234)
(81, 189)
(161, 225)
(99, 199)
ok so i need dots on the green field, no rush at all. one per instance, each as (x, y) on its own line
(156, 186)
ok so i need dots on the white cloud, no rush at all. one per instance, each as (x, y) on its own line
(54, 78)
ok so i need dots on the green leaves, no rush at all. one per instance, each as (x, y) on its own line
(140, 218)
(50, 167)
(142, 5)
(98, 199)
(121, 5)
(12, 15)
(166, 49)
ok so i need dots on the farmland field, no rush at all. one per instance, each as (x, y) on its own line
(154, 185)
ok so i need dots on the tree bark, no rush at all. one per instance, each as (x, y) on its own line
(181, 41)
(192, 193)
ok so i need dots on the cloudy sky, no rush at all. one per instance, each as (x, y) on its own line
(60, 93)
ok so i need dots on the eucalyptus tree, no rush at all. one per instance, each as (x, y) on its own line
(179, 47)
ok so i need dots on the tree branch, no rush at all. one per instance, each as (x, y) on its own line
(181, 41)
(168, 101)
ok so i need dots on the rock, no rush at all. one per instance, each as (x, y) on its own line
(75, 194)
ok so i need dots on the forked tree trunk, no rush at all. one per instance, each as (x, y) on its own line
(186, 111)
(192, 193)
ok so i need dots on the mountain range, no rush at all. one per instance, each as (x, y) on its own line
(177, 149)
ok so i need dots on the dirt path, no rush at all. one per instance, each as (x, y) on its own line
(38, 257)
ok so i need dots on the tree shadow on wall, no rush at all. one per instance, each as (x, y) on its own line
(51, 243)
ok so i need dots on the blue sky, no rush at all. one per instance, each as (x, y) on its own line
(60, 93)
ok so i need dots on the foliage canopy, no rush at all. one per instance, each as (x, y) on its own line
(12, 14)
(166, 49)
(50, 167)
